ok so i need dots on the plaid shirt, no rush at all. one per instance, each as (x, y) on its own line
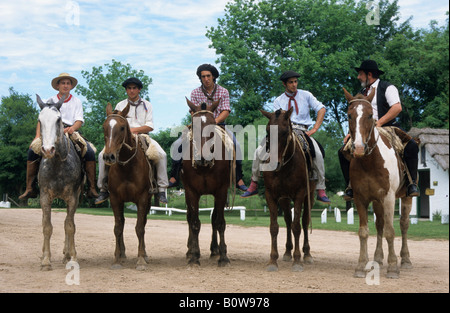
(197, 97)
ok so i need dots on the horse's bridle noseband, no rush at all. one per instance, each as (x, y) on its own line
(124, 143)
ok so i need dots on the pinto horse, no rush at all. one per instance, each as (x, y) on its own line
(376, 175)
(128, 180)
(289, 181)
(203, 175)
(60, 176)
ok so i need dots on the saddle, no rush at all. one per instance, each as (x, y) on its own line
(80, 144)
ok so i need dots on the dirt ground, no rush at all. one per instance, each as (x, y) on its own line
(335, 255)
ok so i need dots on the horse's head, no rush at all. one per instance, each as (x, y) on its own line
(203, 126)
(51, 125)
(116, 131)
(360, 121)
(280, 122)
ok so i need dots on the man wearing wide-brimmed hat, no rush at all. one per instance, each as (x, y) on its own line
(72, 118)
(386, 107)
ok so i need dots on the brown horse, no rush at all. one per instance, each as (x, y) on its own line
(128, 180)
(289, 181)
(376, 175)
(204, 175)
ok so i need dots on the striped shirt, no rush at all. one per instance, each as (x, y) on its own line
(198, 97)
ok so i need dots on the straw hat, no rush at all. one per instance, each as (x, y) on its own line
(56, 80)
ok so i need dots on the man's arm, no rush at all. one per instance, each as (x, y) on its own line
(393, 112)
(319, 121)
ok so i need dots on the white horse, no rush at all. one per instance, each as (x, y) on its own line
(60, 176)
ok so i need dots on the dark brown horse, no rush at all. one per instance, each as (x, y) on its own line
(128, 180)
(376, 175)
(289, 181)
(202, 175)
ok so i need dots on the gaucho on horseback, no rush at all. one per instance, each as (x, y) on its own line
(386, 107)
(72, 118)
(302, 101)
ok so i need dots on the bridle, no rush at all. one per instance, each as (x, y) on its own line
(130, 148)
(367, 150)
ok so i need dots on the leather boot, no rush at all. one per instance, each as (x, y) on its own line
(413, 189)
(32, 171)
(90, 173)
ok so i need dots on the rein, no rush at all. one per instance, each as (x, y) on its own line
(125, 144)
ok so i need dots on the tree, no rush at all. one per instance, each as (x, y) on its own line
(323, 40)
(18, 119)
(104, 84)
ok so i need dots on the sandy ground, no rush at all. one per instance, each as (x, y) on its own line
(335, 255)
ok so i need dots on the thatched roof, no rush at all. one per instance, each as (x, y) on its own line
(436, 142)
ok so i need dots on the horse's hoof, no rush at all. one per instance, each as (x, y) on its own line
(297, 268)
(360, 274)
(406, 265)
(272, 268)
(116, 266)
(392, 275)
(46, 268)
(141, 267)
(287, 257)
(308, 259)
(193, 266)
(224, 263)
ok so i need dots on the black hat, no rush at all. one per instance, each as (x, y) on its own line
(369, 66)
(132, 80)
(207, 67)
(288, 74)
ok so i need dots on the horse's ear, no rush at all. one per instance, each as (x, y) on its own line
(125, 111)
(60, 102)
(371, 95)
(288, 113)
(214, 105)
(40, 102)
(191, 105)
(109, 109)
(348, 96)
(266, 114)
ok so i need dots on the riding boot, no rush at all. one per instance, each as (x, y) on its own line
(345, 168)
(413, 189)
(251, 190)
(175, 173)
(90, 173)
(32, 171)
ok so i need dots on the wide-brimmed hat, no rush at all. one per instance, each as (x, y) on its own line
(132, 80)
(55, 81)
(369, 66)
(288, 74)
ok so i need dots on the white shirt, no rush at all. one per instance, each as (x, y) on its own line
(71, 111)
(392, 97)
(305, 101)
(142, 115)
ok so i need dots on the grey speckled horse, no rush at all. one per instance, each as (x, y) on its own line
(60, 176)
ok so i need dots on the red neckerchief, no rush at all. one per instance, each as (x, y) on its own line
(292, 98)
(67, 100)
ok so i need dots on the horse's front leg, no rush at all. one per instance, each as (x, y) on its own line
(389, 205)
(47, 229)
(70, 253)
(379, 224)
(274, 228)
(307, 257)
(193, 253)
(406, 204)
(143, 209)
(296, 230)
(363, 237)
(119, 223)
(285, 205)
(220, 224)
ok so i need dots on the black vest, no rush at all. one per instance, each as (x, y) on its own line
(382, 104)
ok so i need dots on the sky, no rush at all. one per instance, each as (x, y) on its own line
(39, 39)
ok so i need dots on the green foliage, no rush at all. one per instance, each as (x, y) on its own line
(104, 85)
(18, 119)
